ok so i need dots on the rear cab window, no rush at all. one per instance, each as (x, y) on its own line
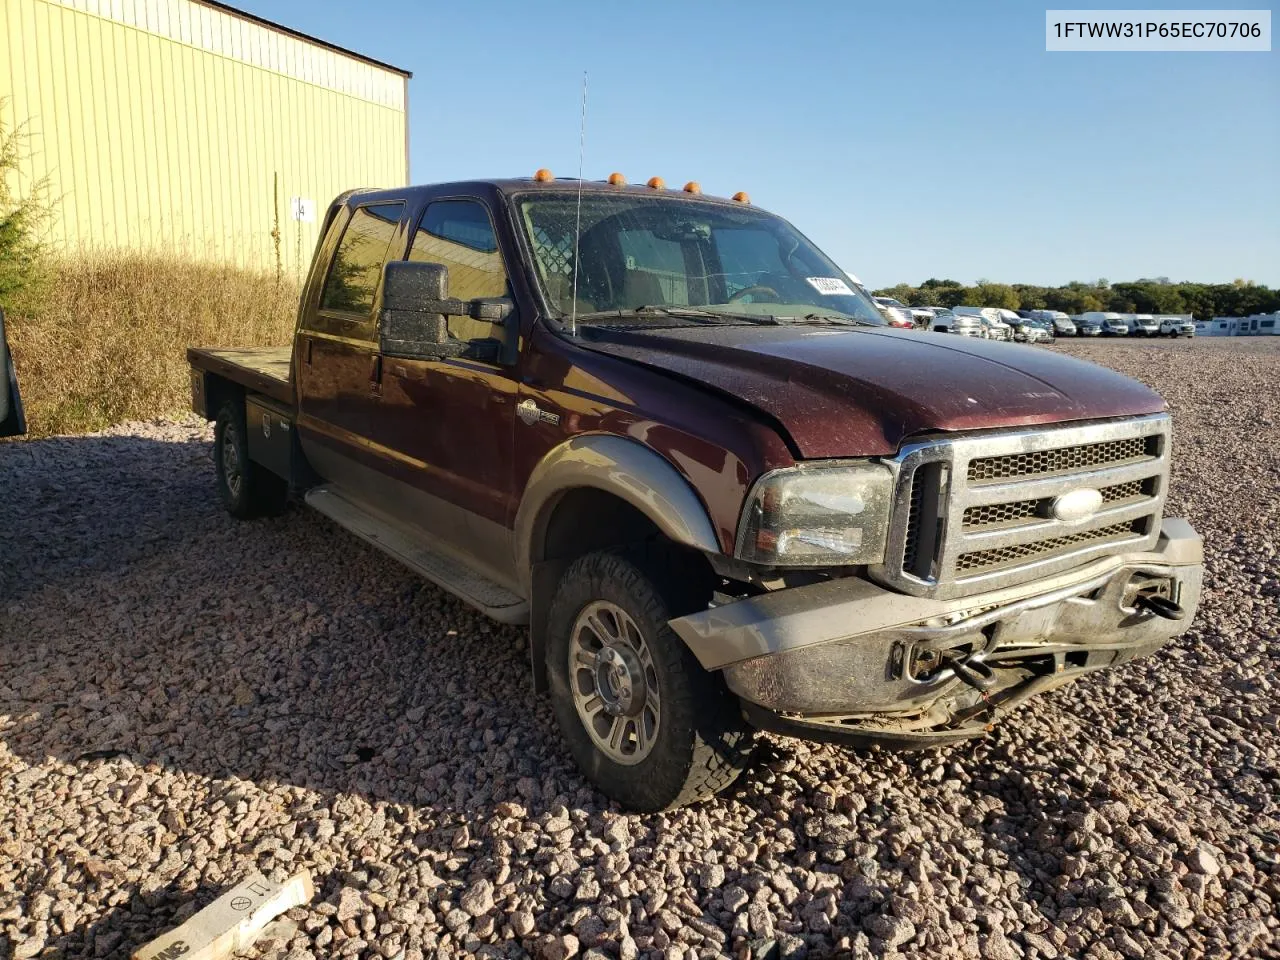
(351, 286)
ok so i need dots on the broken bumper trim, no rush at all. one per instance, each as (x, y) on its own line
(851, 661)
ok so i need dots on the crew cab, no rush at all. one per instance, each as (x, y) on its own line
(667, 433)
(1177, 327)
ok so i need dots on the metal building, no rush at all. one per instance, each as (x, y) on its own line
(191, 126)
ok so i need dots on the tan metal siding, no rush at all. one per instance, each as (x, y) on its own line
(167, 124)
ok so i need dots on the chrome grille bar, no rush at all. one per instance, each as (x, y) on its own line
(967, 528)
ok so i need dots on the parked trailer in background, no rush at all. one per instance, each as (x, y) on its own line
(1219, 327)
(1255, 325)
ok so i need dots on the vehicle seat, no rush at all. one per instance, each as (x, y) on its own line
(640, 288)
(560, 292)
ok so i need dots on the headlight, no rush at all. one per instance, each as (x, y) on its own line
(813, 516)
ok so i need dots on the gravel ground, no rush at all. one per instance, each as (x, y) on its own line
(185, 698)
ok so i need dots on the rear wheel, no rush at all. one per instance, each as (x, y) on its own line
(646, 723)
(246, 489)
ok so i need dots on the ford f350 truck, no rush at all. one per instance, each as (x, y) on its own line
(668, 434)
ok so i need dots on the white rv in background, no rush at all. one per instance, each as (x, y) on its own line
(1256, 325)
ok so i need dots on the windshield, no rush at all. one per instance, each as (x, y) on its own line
(638, 251)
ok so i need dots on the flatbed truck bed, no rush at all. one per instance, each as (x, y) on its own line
(263, 370)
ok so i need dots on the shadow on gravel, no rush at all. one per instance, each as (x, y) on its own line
(136, 617)
(74, 507)
(134, 920)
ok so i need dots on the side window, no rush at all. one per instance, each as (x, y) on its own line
(460, 235)
(357, 265)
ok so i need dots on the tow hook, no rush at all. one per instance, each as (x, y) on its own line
(1160, 606)
(972, 671)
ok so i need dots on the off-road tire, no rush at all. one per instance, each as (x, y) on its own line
(259, 492)
(702, 744)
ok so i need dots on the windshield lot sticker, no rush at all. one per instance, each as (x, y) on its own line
(831, 286)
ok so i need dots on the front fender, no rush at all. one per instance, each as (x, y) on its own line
(625, 468)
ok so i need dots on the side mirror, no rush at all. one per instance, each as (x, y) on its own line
(408, 326)
(416, 306)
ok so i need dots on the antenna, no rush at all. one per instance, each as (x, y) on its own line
(577, 226)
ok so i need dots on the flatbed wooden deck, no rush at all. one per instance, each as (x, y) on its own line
(263, 370)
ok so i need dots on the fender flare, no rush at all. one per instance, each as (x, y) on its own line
(625, 468)
(616, 465)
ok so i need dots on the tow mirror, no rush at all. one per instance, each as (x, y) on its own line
(416, 306)
(407, 326)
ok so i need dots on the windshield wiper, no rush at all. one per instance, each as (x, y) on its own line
(837, 318)
(675, 313)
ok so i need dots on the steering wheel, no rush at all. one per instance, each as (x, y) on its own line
(753, 291)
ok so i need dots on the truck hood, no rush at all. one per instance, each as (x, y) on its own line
(843, 392)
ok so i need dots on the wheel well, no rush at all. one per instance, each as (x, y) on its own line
(612, 522)
(218, 391)
(587, 519)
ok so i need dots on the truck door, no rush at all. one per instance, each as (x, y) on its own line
(337, 359)
(450, 423)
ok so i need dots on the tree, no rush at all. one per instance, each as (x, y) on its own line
(988, 294)
(22, 222)
(1159, 296)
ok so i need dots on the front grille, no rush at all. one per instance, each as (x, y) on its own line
(1004, 556)
(976, 512)
(1042, 462)
(1033, 511)
(911, 552)
(995, 514)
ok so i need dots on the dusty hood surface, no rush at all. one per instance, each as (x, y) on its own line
(841, 392)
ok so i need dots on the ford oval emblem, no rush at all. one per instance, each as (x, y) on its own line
(1075, 506)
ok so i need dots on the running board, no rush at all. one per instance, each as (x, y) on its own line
(418, 554)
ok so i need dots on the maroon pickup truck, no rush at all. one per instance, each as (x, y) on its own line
(666, 432)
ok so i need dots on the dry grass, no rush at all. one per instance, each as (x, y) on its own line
(107, 339)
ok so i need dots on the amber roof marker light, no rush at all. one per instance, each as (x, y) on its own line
(657, 183)
(617, 180)
(742, 197)
(543, 175)
(693, 186)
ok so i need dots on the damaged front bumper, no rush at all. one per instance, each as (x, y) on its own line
(849, 661)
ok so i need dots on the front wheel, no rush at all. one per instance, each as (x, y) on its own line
(646, 723)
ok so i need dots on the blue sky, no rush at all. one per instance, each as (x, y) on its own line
(908, 139)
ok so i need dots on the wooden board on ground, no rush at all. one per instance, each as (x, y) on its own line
(232, 922)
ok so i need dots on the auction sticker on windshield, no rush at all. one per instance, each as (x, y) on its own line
(831, 286)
